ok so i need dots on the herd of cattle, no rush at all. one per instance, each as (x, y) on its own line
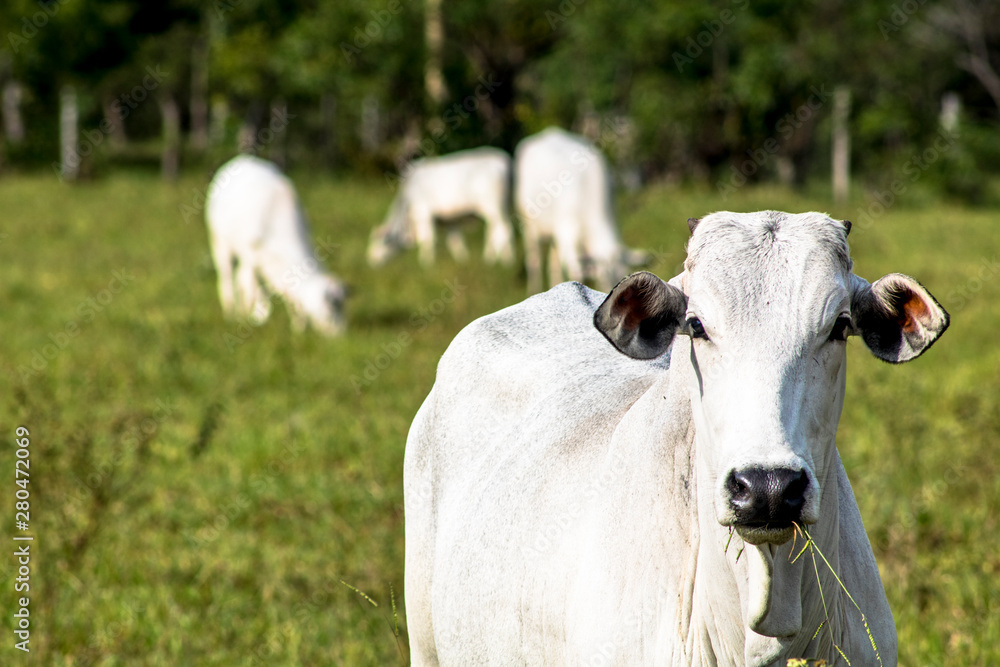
(626, 478)
(261, 246)
(629, 478)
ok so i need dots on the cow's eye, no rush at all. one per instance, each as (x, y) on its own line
(695, 327)
(841, 328)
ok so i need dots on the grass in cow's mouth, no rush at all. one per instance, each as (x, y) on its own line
(814, 549)
(725, 549)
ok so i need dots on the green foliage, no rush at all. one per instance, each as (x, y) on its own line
(702, 83)
(200, 490)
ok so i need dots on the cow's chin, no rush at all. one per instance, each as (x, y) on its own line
(765, 533)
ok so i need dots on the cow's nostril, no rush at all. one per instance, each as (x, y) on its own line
(737, 487)
(769, 496)
(794, 496)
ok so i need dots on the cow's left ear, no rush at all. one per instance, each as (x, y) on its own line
(641, 315)
(896, 317)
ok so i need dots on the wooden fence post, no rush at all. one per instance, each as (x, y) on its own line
(841, 144)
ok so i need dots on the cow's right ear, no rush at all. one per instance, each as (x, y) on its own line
(897, 317)
(641, 315)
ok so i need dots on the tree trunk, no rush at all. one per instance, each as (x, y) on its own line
(971, 19)
(219, 118)
(841, 144)
(370, 131)
(328, 112)
(978, 64)
(434, 36)
(278, 127)
(116, 126)
(69, 139)
(13, 122)
(251, 137)
(170, 159)
(951, 112)
(199, 95)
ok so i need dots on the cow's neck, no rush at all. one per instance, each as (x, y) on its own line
(776, 602)
(710, 594)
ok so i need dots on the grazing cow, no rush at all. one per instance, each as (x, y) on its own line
(563, 197)
(261, 247)
(616, 479)
(472, 182)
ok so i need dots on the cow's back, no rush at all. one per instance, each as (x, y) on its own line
(459, 182)
(506, 446)
(563, 177)
(250, 203)
(255, 207)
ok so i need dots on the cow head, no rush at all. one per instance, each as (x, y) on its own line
(392, 236)
(766, 303)
(319, 301)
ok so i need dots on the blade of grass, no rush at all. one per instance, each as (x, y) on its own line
(813, 550)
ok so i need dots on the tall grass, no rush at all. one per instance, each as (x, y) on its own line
(199, 501)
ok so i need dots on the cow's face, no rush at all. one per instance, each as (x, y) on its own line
(383, 245)
(321, 302)
(392, 236)
(766, 303)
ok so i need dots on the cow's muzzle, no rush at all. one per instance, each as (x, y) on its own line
(765, 502)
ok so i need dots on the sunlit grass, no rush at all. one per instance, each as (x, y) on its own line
(196, 504)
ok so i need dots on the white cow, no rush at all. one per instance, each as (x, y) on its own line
(472, 182)
(575, 501)
(563, 197)
(261, 247)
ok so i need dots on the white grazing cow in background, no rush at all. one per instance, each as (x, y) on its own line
(563, 197)
(472, 182)
(615, 479)
(261, 247)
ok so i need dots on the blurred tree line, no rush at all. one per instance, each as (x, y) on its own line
(724, 92)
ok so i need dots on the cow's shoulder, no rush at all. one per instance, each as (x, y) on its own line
(546, 342)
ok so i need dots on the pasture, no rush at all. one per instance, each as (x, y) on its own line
(205, 492)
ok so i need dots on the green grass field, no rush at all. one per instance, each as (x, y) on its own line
(199, 490)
